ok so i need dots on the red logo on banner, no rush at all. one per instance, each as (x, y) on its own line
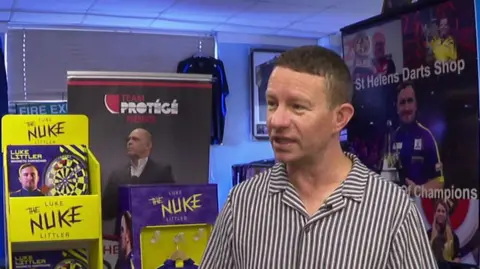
(458, 211)
(137, 109)
(112, 103)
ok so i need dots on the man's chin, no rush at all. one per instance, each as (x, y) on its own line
(286, 157)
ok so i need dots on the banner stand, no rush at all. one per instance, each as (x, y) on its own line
(52, 223)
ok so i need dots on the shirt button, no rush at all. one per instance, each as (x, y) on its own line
(307, 229)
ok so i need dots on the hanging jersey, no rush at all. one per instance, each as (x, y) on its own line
(171, 264)
(214, 67)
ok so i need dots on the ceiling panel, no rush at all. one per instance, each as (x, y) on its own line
(212, 8)
(275, 24)
(299, 18)
(314, 27)
(66, 6)
(276, 12)
(336, 17)
(133, 8)
(4, 15)
(193, 17)
(373, 7)
(6, 4)
(305, 34)
(46, 18)
(116, 21)
(183, 26)
(310, 3)
(246, 29)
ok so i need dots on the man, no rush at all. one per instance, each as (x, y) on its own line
(382, 62)
(415, 146)
(444, 48)
(141, 170)
(28, 177)
(318, 207)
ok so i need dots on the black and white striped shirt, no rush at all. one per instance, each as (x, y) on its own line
(367, 223)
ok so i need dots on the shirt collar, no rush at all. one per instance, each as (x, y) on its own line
(141, 163)
(352, 187)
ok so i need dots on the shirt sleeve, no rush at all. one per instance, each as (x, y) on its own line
(218, 254)
(434, 167)
(410, 247)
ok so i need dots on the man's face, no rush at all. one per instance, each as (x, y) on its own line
(29, 178)
(137, 144)
(407, 105)
(444, 27)
(124, 234)
(299, 121)
(379, 49)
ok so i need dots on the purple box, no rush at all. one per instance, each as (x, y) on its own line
(159, 205)
(53, 170)
(51, 259)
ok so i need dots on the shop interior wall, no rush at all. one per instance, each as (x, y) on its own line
(233, 49)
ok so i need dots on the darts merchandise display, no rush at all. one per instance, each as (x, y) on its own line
(70, 259)
(50, 170)
(52, 193)
(163, 226)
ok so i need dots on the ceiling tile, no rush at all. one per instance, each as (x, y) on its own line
(245, 29)
(46, 18)
(276, 12)
(373, 7)
(116, 21)
(336, 17)
(133, 8)
(4, 15)
(223, 9)
(183, 26)
(193, 18)
(314, 27)
(305, 3)
(6, 4)
(66, 6)
(274, 24)
(305, 34)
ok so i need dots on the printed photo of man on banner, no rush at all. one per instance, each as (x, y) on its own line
(144, 129)
(416, 118)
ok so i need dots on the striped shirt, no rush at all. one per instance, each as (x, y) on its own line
(366, 223)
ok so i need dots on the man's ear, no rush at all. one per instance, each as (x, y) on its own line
(343, 115)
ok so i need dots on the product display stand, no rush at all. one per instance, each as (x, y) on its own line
(47, 223)
(165, 226)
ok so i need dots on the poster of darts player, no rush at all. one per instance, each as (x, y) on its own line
(144, 129)
(427, 141)
(371, 55)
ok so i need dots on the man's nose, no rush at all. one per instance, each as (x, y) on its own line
(280, 118)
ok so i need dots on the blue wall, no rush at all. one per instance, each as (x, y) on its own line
(238, 144)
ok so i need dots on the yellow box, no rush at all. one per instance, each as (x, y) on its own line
(54, 218)
(156, 244)
(77, 218)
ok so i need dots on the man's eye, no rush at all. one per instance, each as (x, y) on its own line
(298, 107)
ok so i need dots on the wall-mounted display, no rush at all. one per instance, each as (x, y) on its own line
(415, 77)
(262, 63)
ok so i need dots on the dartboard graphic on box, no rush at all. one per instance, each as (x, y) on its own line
(47, 170)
